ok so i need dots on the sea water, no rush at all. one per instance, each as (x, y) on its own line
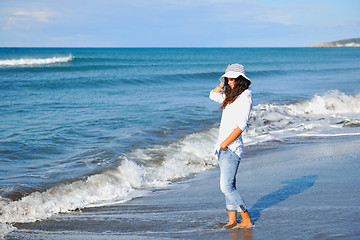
(83, 127)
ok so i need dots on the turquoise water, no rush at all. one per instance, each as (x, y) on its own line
(69, 114)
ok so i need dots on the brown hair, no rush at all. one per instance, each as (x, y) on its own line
(241, 84)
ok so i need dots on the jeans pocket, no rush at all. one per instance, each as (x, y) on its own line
(224, 152)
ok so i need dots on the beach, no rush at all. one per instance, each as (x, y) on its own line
(307, 190)
(119, 143)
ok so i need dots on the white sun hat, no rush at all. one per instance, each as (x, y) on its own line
(234, 71)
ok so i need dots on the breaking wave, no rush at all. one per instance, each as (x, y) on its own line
(334, 113)
(137, 173)
(33, 61)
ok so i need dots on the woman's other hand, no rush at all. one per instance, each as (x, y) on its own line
(227, 68)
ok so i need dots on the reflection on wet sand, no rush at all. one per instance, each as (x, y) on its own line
(242, 233)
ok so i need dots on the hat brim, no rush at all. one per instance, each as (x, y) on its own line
(231, 74)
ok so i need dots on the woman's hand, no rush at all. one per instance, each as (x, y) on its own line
(223, 147)
(234, 135)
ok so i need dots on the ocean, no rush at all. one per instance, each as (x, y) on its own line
(88, 127)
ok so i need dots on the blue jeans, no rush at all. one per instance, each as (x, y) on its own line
(229, 163)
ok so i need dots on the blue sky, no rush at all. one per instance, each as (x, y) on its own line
(176, 23)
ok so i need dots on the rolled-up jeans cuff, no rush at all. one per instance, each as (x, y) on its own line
(230, 208)
(241, 208)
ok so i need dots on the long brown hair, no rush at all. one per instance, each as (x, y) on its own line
(241, 84)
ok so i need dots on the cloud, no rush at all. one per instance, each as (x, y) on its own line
(25, 19)
(38, 15)
(174, 22)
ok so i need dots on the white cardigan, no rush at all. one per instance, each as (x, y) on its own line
(235, 114)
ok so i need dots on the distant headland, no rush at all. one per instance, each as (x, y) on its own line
(353, 42)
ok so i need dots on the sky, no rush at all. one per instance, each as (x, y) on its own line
(176, 23)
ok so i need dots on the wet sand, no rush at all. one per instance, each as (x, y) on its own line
(304, 190)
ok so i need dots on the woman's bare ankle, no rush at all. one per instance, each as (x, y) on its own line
(244, 224)
(230, 224)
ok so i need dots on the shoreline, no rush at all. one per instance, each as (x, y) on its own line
(293, 190)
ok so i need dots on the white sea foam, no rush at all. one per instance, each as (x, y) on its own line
(5, 229)
(33, 61)
(156, 167)
(332, 112)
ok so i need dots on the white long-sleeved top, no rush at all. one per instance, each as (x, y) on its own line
(235, 114)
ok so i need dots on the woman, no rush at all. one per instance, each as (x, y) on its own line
(236, 103)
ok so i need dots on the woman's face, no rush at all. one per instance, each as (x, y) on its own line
(231, 82)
